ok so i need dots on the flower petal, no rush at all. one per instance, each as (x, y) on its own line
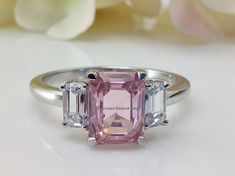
(106, 3)
(191, 16)
(78, 20)
(226, 23)
(61, 19)
(38, 15)
(148, 8)
(6, 11)
(224, 6)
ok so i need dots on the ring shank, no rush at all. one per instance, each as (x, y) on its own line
(46, 86)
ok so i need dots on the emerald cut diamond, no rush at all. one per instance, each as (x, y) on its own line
(155, 103)
(75, 104)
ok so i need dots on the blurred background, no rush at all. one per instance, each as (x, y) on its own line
(194, 38)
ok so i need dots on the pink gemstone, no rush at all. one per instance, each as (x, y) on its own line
(117, 111)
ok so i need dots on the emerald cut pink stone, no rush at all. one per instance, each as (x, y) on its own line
(117, 110)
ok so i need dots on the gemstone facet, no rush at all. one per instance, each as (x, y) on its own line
(75, 104)
(117, 107)
(155, 103)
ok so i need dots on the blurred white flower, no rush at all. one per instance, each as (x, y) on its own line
(204, 18)
(66, 19)
(62, 19)
(100, 4)
(223, 6)
(148, 8)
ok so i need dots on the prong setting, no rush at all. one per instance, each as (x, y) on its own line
(62, 86)
(91, 74)
(64, 123)
(141, 140)
(91, 141)
(141, 75)
(165, 122)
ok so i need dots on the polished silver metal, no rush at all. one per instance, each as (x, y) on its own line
(91, 74)
(91, 141)
(165, 122)
(141, 74)
(141, 140)
(47, 86)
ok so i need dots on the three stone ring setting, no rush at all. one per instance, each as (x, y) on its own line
(115, 105)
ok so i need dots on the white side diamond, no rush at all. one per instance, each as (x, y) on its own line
(75, 103)
(155, 103)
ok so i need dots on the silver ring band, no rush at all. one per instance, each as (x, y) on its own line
(46, 86)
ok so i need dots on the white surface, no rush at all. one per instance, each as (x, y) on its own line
(198, 141)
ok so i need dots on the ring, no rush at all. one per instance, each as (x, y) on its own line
(115, 105)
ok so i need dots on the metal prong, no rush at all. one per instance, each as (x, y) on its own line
(141, 140)
(165, 122)
(85, 127)
(91, 74)
(85, 86)
(166, 84)
(62, 86)
(91, 141)
(64, 123)
(148, 83)
(141, 75)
